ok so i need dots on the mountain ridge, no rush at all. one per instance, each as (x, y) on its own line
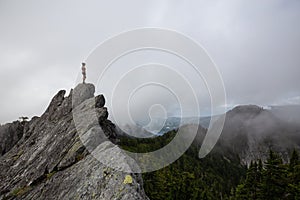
(50, 161)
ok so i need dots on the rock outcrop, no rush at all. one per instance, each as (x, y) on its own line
(54, 156)
(10, 134)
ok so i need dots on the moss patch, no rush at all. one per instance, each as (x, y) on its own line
(17, 156)
(50, 175)
(20, 191)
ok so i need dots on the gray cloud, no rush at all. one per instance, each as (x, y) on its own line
(255, 44)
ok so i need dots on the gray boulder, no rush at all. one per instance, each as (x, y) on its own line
(82, 92)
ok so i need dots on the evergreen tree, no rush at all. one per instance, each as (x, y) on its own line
(274, 183)
(294, 161)
(251, 186)
(259, 175)
(294, 176)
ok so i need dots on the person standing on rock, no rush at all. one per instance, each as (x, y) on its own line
(83, 68)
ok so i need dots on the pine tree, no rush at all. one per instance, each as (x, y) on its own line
(259, 175)
(294, 161)
(294, 176)
(251, 182)
(274, 183)
(251, 187)
(241, 192)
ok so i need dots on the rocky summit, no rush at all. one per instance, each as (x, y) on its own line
(56, 155)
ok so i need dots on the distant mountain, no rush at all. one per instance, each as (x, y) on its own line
(251, 131)
(173, 123)
(134, 131)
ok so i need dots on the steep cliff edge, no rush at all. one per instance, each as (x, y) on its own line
(49, 160)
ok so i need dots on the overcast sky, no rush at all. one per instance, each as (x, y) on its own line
(255, 44)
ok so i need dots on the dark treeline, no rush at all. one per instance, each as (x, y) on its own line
(217, 176)
(271, 180)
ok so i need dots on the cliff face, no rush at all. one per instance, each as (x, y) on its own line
(47, 158)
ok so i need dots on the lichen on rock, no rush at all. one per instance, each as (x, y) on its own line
(127, 180)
